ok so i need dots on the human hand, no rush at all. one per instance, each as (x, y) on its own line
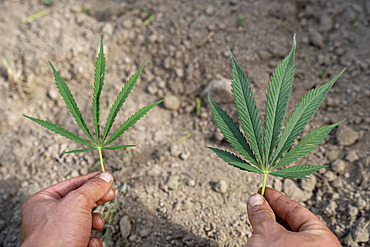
(61, 214)
(279, 221)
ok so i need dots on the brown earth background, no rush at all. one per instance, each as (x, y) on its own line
(171, 189)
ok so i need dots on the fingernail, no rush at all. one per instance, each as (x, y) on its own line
(255, 200)
(107, 177)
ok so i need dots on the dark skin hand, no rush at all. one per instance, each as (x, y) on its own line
(61, 214)
(278, 221)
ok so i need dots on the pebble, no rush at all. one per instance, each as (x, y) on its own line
(309, 184)
(53, 93)
(360, 234)
(171, 103)
(339, 166)
(219, 90)
(221, 187)
(218, 135)
(352, 156)
(145, 232)
(277, 184)
(173, 182)
(333, 155)
(330, 176)
(353, 212)
(191, 183)
(293, 191)
(185, 156)
(346, 136)
(316, 38)
(155, 171)
(125, 226)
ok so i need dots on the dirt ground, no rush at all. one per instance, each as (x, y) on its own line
(171, 189)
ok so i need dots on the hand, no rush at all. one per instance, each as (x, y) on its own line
(61, 214)
(279, 221)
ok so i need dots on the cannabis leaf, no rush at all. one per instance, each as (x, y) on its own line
(98, 143)
(266, 153)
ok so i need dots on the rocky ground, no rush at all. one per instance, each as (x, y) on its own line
(171, 189)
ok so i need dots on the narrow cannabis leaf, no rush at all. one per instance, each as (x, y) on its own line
(265, 153)
(99, 143)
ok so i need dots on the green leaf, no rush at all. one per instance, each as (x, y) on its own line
(71, 103)
(79, 150)
(232, 133)
(118, 147)
(234, 160)
(131, 121)
(98, 87)
(60, 131)
(247, 108)
(277, 98)
(301, 115)
(125, 91)
(301, 171)
(306, 145)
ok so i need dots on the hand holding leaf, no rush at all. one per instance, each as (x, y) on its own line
(265, 153)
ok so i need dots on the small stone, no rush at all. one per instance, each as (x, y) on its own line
(125, 226)
(145, 232)
(171, 103)
(218, 135)
(221, 187)
(53, 93)
(346, 136)
(352, 211)
(179, 72)
(185, 156)
(219, 90)
(210, 10)
(277, 184)
(361, 203)
(316, 38)
(352, 156)
(152, 89)
(155, 171)
(293, 191)
(191, 183)
(360, 234)
(330, 176)
(333, 155)
(331, 208)
(173, 182)
(309, 184)
(339, 166)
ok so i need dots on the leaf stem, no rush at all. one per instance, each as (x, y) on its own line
(101, 160)
(264, 183)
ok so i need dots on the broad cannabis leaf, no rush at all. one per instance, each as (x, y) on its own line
(265, 153)
(100, 142)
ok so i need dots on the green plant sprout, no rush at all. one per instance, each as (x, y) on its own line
(266, 153)
(100, 142)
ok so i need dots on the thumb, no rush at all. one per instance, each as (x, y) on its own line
(261, 216)
(95, 189)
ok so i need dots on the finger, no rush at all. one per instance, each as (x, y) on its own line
(95, 242)
(295, 215)
(108, 197)
(97, 222)
(59, 190)
(94, 190)
(260, 214)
